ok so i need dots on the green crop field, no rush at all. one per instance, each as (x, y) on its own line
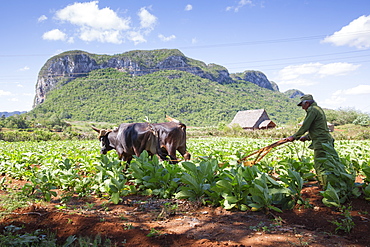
(213, 176)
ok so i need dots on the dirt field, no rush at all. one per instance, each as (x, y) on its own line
(145, 221)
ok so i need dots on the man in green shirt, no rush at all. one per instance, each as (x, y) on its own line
(327, 163)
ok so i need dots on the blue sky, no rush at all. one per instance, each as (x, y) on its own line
(320, 47)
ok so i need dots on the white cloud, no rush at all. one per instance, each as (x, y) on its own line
(88, 14)
(42, 18)
(147, 23)
(349, 96)
(308, 74)
(147, 20)
(136, 37)
(14, 99)
(337, 69)
(24, 68)
(355, 34)
(102, 25)
(360, 89)
(71, 40)
(194, 40)
(54, 34)
(4, 93)
(335, 100)
(188, 7)
(165, 39)
(240, 4)
(293, 72)
(103, 36)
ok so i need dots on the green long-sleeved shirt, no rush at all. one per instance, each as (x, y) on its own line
(317, 127)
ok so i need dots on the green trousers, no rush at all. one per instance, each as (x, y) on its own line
(330, 170)
(319, 159)
(321, 168)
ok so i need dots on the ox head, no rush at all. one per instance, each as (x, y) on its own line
(104, 140)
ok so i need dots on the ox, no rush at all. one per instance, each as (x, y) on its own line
(129, 139)
(163, 139)
(172, 138)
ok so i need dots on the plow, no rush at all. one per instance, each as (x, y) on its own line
(259, 154)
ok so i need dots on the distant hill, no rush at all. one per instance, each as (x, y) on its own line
(65, 67)
(136, 85)
(293, 93)
(8, 114)
(257, 78)
(111, 95)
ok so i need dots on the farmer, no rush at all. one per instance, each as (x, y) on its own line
(327, 164)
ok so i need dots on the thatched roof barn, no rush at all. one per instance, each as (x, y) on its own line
(253, 119)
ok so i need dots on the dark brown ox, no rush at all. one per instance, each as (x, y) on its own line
(172, 138)
(130, 139)
(163, 139)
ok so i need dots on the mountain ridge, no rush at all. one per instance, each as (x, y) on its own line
(67, 66)
(138, 85)
(8, 114)
(110, 95)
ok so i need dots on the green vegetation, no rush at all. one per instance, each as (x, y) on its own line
(24, 122)
(149, 58)
(79, 130)
(345, 224)
(12, 237)
(112, 96)
(52, 165)
(214, 176)
(363, 120)
(115, 96)
(347, 116)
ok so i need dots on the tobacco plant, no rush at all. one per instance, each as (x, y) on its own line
(41, 183)
(233, 188)
(197, 179)
(294, 181)
(111, 180)
(263, 192)
(153, 177)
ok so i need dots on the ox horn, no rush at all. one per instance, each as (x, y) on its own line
(102, 132)
(172, 119)
(96, 129)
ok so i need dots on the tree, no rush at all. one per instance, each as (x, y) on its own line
(363, 120)
(17, 122)
(342, 116)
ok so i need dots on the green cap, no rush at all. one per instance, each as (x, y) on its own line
(304, 98)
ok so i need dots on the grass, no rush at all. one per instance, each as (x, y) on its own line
(12, 201)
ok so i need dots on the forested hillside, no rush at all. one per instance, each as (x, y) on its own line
(109, 95)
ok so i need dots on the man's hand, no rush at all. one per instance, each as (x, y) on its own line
(290, 138)
(303, 138)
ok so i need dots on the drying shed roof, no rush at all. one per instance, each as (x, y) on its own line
(252, 119)
(267, 124)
